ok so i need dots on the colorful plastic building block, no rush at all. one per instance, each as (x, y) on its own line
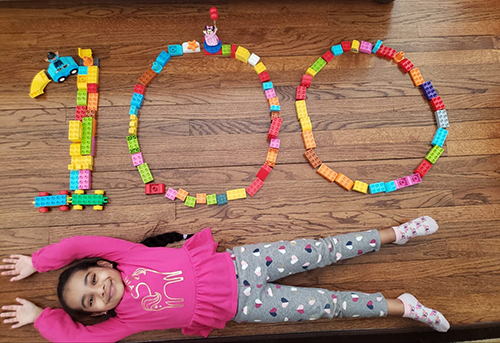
(264, 172)
(75, 149)
(399, 56)
(308, 139)
(182, 194)
(437, 103)
(301, 109)
(274, 143)
(242, 54)
(43, 201)
(354, 46)
(74, 179)
(221, 199)
(376, 46)
(139, 89)
(416, 77)
(442, 118)
(305, 123)
(190, 201)
(439, 137)
(390, 186)
(270, 93)
(81, 97)
(275, 114)
(75, 131)
(312, 158)
(267, 85)
(406, 65)
(97, 200)
(382, 50)
(327, 173)
(360, 187)
(84, 179)
(80, 112)
(274, 108)
(390, 53)
(300, 94)
(154, 188)
(428, 90)
(272, 154)
(82, 70)
(235, 194)
(311, 72)
(81, 162)
(137, 159)
(306, 80)
(346, 45)
(273, 102)
(191, 47)
(92, 101)
(275, 128)
(147, 77)
(337, 50)
(133, 144)
(163, 58)
(226, 50)
(365, 47)
(254, 187)
(260, 67)
(318, 65)
(344, 182)
(81, 82)
(211, 199)
(171, 194)
(434, 154)
(253, 60)
(201, 198)
(175, 50)
(423, 168)
(402, 182)
(133, 111)
(377, 187)
(264, 76)
(145, 173)
(328, 56)
(86, 145)
(233, 51)
(137, 100)
(414, 179)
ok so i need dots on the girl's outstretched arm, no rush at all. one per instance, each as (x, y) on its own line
(20, 266)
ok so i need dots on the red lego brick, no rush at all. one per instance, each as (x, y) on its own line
(406, 65)
(139, 89)
(264, 76)
(300, 94)
(346, 46)
(306, 80)
(233, 50)
(92, 88)
(264, 172)
(254, 186)
(274, 130)
(382, 51)
(437, 104)
(423, 168)
(155, 188)
(390, 53)
(80, 112)
(328, 56)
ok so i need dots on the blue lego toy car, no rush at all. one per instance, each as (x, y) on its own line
(61, 67)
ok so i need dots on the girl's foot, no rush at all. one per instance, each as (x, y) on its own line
(417, 227)
(417, 311)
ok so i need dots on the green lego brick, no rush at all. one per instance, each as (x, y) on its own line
(87, 126)
(87, 199)
(133, 144)
(212, 199)
(226, 50)
(145, 172)
(319, 64)
(434, 154)
(190, 201)
(81, 97)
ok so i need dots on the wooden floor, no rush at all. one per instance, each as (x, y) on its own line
(204, 123)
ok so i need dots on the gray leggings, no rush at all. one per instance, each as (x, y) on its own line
(258, 265)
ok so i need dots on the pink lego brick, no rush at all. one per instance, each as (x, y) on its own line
(365, 47)
(84, 178)
(254, 186)
(171, 194)
(402, 182)
(275, 143)
(137, 159)
(414, 179)
(270, 93)
(92, 151)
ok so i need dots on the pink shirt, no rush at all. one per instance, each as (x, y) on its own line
(193, 288)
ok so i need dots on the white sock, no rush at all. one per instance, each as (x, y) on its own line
(417, 227)
(417, 311)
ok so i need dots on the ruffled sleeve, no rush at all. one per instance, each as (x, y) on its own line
(216, 287)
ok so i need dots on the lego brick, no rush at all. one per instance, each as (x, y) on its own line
(264, 76)
(328, 56)
(74, 178)
(91, 114)
(301, 109)
(157, 67)
(87, 126)
(88, 199)
(133, 144)
(226, 50)
(253, 60)
(300, 93)
(423, 168)
(306, 80)
(270, 93)
(360, 187)
(275, 128)
(254, 187)
(75, 131)
(305, 124)
(235, 194)
(437, 103)
(163, 58)
(260, 67)
(414, 179)
(75, 149)
(147, 77)
(175, 50)
(211, 199)
(434, 154)
(318, 65)
(139, 89)
(275, 114)
(344, 182)
(84, 180)
(376, 46)
(406, 65)
(274, 143)
(154, 188)
(327, 173)
(93, 146)
(93, 74)
(390, 53)
(381, 51)
(191, 47)
(201, 198)
(378, 187)
(308, 139)
(267, 85)
(93, 101)
(81, 162)
(355, 46)
(399, 56)
(428, 90)
(137, 159)
(81, 82)
(133, 110)
(145, 173)
(80, 112)
(273, 101)
(274, 108)
(272, 154)
(242, 54)
(311, 71)
(182, 194)
(337, 50)
(264, 172)
(442, 118)
(190, 201)
(390, 186)
(346, 46)
(137, 100)
(171, 194)
(221, 199)
(416, 77)
(312, 158)
(402, 182)
(365, 47)
(82, 70)
(81, 97)
(51, 200)
(439, 137)
(233, 51)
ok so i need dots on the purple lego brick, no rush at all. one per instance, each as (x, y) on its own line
(84, 179)
(401, 182)
(414, 179)
(171, 194)
(270, 93)
(365, 47)
(92, 151)
(275, 143)
(137, 159)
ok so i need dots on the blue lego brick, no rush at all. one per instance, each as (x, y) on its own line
(439, 137)
(221, 199)
(133, 110)
(267, 85)
(157, 67)
(428, 90)
(137, 100)
(274, 108)
(74, 178)
(83, 70)
(442, 118)
(378, 187)
(337, 50)
(377, 46)
(175, 50)
(163, 58)
(51, 200)
(390, 186)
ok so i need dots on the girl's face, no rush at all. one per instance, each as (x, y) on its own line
(97, 289)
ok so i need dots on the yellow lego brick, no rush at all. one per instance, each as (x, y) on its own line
(305, 124)
(242, 54)
(75, 131)
(234, 194)
(355, 46)
(93, 71)
(360, 187)
(92, 101)
(81, 162)
(81, 82)
(132, 131)
(133, 117)
(311, 71)
(84, 52)
(74, 149)
(260, 67)
(301, 109)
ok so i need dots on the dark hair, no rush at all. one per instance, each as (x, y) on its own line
(51, 55)
(154, 241)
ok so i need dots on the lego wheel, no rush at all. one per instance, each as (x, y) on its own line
(43, 209)
(97, 208)
(43, 194)
(78, 207)
(79, 191)
(63, 193)
(98, 191)
(63, 208)
(74, 71)
(61, 79)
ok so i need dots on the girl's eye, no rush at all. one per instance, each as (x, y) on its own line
(93, 279)
(91, 301)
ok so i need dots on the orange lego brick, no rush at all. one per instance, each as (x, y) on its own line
(90, 113)
(147, 77)
(416, 77)
(272, 154)
(274, 101)
(201, 198)
(327, 173)
(344, 182)
(182, 194)
(308, 138)
(275, 114)
(92, 101)
(312, 158)
(399, 56)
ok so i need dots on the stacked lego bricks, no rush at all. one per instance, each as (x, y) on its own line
(233, 51)
(408, 67)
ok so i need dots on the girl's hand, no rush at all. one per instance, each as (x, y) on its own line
(20, 265)
(23, 314)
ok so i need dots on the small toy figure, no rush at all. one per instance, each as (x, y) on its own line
(53, 57)
(210, 35)
(212, 43)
